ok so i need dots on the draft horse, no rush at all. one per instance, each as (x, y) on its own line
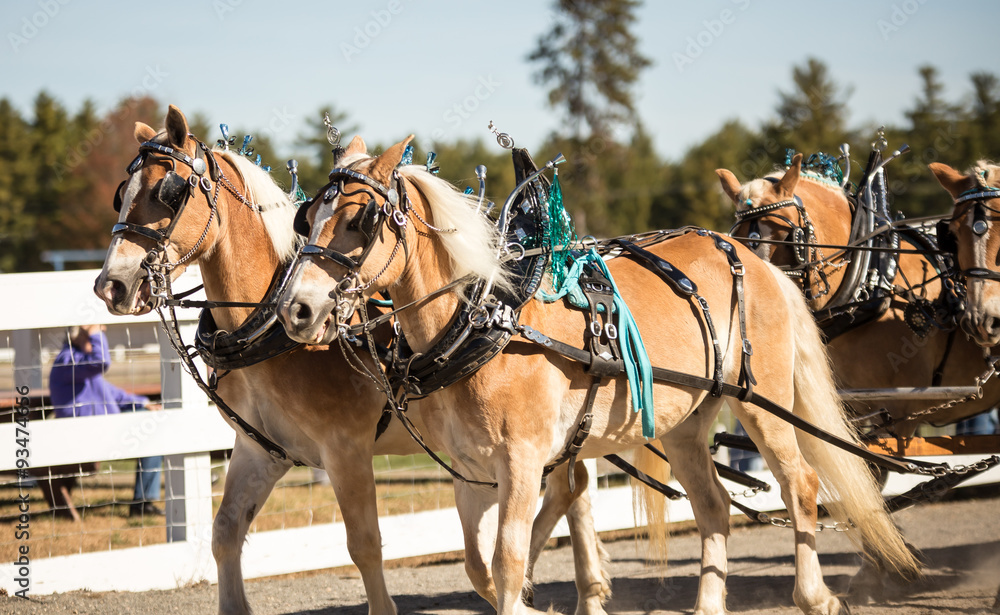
(971, 235)
(799, 210)
(378, 228)
(184, 204)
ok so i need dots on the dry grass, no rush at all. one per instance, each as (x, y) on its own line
(405, 484)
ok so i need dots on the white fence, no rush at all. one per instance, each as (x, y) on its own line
(185, 433)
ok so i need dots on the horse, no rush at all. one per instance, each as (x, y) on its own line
(377, 228)
(885, 351)
(975, 244)
(970, 234)
(184, 204)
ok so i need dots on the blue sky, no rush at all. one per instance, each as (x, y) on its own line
(446, 68)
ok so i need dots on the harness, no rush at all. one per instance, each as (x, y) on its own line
(866, 289)
(980, 226)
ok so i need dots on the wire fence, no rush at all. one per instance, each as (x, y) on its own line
(90, 507)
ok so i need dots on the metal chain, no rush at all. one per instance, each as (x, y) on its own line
(409, 208)
(981, 380)
(945, 470)
(232, 189)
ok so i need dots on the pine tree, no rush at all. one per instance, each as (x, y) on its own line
(813, 116)
(317, 160)
(590, 61)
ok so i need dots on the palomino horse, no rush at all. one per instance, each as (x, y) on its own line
(308, 400)
(884, 352)
(379, 228)
(976, 244)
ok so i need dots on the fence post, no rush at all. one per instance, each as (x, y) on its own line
(189, 476)
(28, 360)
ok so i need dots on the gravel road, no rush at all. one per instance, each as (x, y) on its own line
(960, 540)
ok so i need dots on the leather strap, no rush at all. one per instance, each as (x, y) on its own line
(905, 466)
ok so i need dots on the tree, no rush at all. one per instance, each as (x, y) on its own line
(17, 184)
(591, 61)
(317, 161)
(813, 116)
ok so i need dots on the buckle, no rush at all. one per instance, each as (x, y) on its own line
(737, 269)
(595, 328)
(747, 348)
(611, 331)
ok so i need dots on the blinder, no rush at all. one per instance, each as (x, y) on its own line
(171, 190)
(945, 238)
(300, 224)
(367, 221)
(118, 196)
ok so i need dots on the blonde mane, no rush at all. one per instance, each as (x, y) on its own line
(986, 173)
(276, 209)
(474, 246)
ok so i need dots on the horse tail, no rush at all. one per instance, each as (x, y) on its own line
(847, 486)
(651, 504)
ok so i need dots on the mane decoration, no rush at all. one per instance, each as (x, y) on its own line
(559, 234)
(823, 167)
(245, 150)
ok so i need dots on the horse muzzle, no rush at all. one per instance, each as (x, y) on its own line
(984, 329)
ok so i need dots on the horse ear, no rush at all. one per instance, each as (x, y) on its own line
(786, 185)
(356, 146)
(385, 163)
(144, 132)
(730, 185)
(177, 126)
(952, 181)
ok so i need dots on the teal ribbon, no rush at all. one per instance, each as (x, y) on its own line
(638, 368)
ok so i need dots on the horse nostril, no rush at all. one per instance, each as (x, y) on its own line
(301, 312)
(117, 291)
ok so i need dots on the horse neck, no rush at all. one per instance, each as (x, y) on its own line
(242, 260)
(428, 269)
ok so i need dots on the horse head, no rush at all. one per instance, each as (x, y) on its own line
(782, 213)
(358, 237)
(975, 241)
(165, 215)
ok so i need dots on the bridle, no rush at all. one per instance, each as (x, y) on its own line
(174, 192)
(394, 212)
(801, 234)
(980, 226)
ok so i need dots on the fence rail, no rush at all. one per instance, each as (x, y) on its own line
(184, 433)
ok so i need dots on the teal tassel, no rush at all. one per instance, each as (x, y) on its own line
(560, 234)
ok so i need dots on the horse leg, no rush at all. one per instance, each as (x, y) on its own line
(518, 481)
(592, 583)
(250, 479)
(799, 484)
(349, 466)
(477, 509)
(694, 469)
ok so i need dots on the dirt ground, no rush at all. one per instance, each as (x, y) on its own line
(959, 539)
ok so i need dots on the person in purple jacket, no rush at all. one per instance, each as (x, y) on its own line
(78, 388)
